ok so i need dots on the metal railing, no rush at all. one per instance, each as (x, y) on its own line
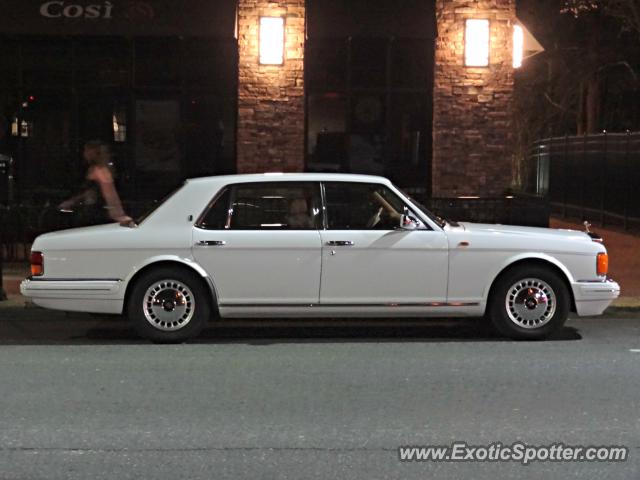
(594, 177)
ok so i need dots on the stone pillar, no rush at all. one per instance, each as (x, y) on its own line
(270, 98)
(472, 107)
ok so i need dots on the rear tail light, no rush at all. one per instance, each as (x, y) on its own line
(602, 264)
(37, 264)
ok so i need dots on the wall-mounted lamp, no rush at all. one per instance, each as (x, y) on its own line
(271, 40)
(476, 43)
(518, 46)
(525, 44)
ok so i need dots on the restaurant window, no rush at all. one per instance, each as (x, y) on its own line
(103, 62)
(369, 106)
(165, 105)
(157, 62)
(9, 52)
(47, 63)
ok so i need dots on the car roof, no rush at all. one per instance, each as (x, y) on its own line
(289, 177)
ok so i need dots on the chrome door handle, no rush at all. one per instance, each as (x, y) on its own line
(211, 243)
(340, 243)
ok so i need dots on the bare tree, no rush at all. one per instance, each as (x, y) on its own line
(586, 79)
(626, 11)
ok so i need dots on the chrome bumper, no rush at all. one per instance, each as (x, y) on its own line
(68, 288)
(592, 298)
(98, 296)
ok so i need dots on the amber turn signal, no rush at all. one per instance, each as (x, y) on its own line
(602, 264)
(37, 264)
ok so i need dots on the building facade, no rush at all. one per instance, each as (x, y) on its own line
(182, 89)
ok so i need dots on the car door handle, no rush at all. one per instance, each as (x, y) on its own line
(211, 243)
(340, 243)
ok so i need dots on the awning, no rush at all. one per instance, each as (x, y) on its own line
(379, 18)
(211, 18)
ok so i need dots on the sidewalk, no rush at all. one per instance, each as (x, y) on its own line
(623, 248)
(12, 275)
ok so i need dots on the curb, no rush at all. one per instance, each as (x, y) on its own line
(622, 309)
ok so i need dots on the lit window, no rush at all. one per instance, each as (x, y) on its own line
(476, 43)
(271, 40)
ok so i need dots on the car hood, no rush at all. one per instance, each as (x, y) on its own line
(512, 230)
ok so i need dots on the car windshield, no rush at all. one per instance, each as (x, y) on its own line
(441, 221)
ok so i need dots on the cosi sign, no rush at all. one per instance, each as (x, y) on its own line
(59, 9)
(198, 18)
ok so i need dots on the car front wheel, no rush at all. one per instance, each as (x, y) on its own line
(529, 302)
(168, 305)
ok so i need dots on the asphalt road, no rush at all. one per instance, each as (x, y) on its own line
(80, 398)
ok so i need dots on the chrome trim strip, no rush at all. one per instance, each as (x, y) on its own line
(522, 250)
(40, 279)
(72, 289)
(591, 282)
(351, 305)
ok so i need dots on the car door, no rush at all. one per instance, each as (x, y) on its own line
(261, 245)
(367, 260)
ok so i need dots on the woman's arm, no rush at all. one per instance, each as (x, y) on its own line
(114, 206)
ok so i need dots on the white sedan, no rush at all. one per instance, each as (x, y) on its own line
(316, 245)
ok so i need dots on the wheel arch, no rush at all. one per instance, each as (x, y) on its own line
(540, 260)
(173, 262)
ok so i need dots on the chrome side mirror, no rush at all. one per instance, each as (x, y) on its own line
(407, 222)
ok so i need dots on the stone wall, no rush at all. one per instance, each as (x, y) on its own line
(270, 98)
(472, 107)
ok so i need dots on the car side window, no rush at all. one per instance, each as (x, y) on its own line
(217, 215)
(362, 206)
(275, 206)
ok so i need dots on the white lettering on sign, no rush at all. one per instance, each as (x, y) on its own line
(60, 8)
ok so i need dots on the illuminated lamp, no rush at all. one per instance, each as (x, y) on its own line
(476, 43)
(271, 40)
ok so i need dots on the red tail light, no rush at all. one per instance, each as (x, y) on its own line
(37, 264)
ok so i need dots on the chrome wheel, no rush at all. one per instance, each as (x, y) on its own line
(530, 303)
(168, 305)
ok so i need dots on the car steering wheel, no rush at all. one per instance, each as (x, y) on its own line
(375, 219)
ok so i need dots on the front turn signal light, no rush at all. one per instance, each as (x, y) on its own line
(602, 264)
(37, 264)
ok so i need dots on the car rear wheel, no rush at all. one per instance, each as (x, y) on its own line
(168, 305)
(529, 302)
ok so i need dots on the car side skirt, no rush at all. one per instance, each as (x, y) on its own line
(352, 310)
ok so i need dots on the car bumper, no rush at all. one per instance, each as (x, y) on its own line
(96, 296)
(592, 298)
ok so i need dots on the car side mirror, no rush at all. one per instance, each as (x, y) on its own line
(407, 222)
